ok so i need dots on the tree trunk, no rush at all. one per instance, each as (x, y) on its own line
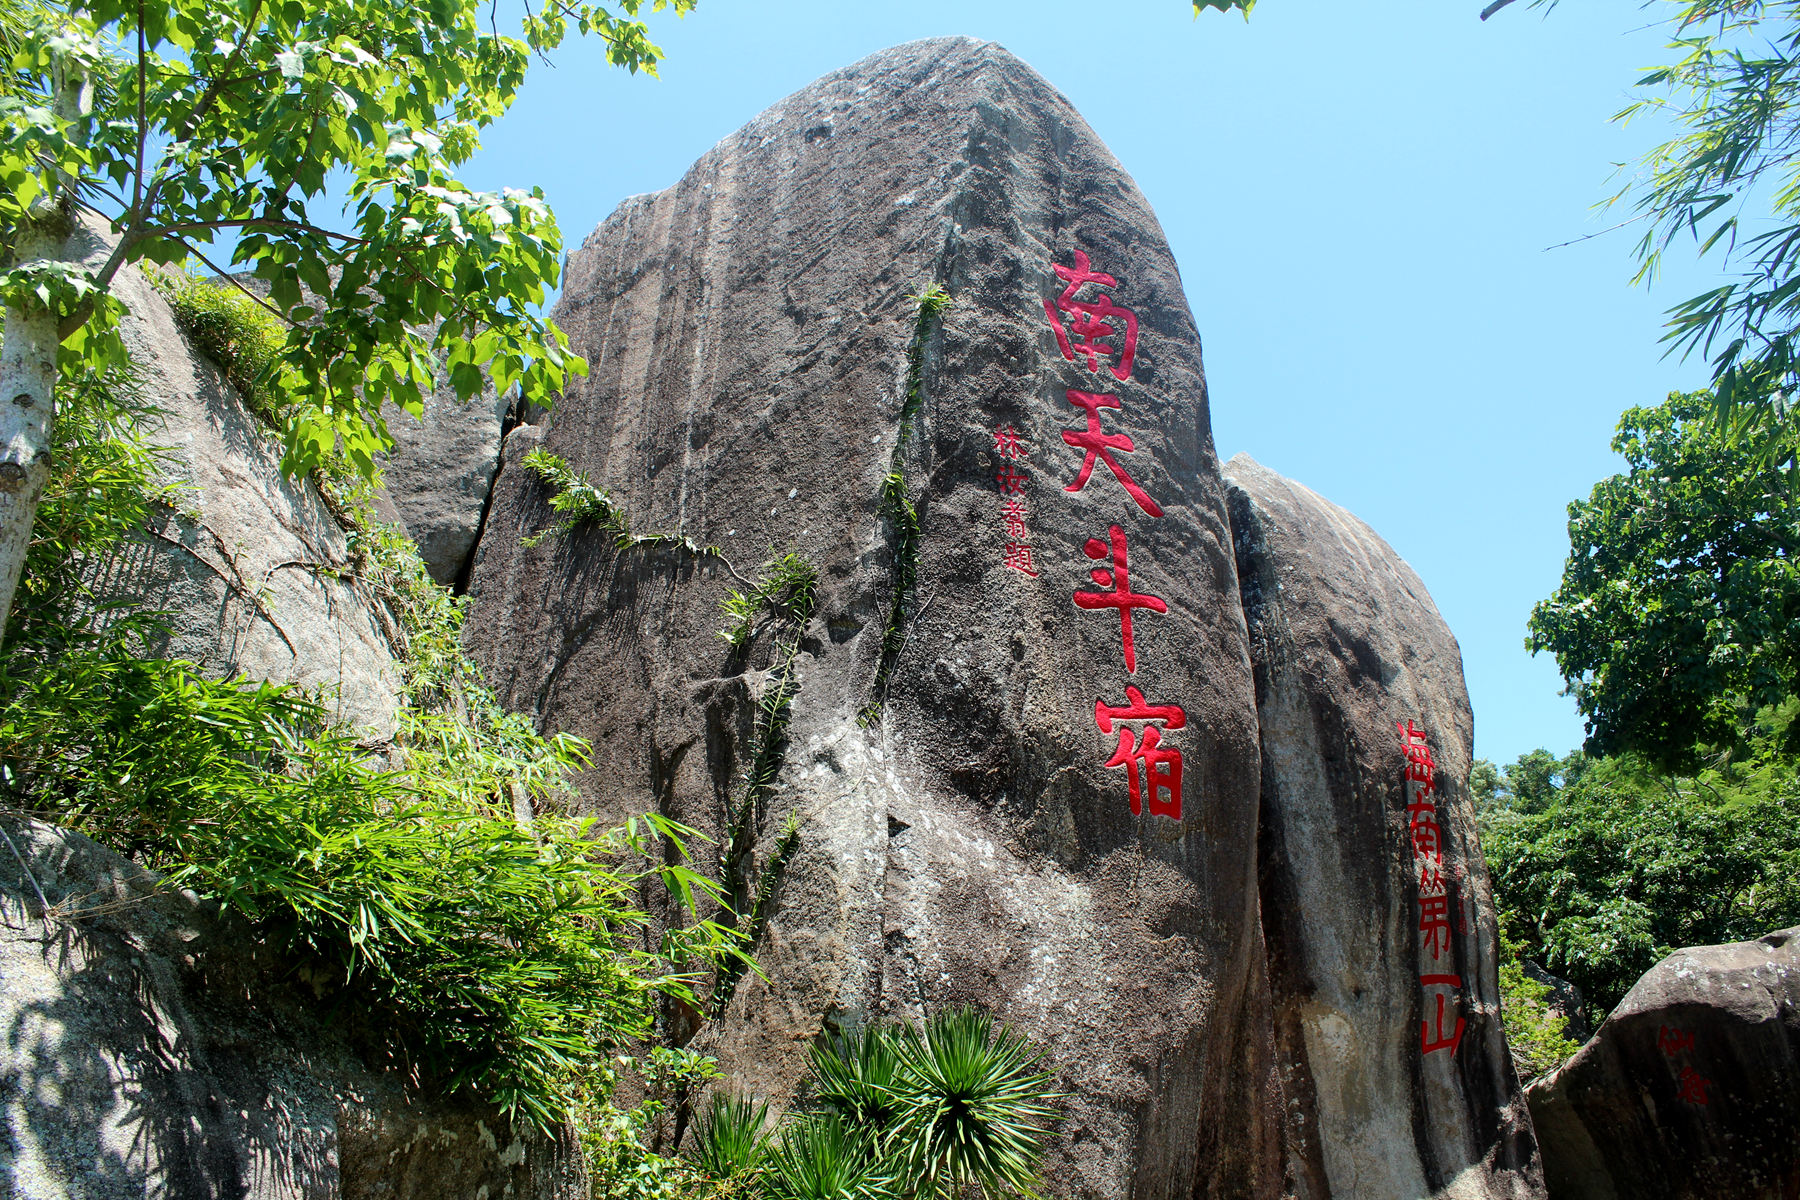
(27, 390)
(28, 357)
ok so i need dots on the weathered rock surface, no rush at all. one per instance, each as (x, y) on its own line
(1388, 1095)
(1690, 1089)
(250, 571)
(147, 1050)
(439, 474)
(748, 331)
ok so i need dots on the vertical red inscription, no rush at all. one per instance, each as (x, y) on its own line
(1160, 781)
(1017, 551)
(1672, 1041)
(1098, 445)
(1092, 320)
(1118, 578)
(1435, 929)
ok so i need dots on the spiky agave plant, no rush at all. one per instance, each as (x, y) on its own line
(975, 1107)
(731, 1138)
(853, 1075)
(821, 1156)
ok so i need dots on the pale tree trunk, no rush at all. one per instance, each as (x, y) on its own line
(28, 365)
(27, 389)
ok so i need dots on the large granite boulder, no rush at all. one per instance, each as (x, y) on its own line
(1690, 1089)
(994, 805)
(1376, 903)
(252, 570)
(149, 1047)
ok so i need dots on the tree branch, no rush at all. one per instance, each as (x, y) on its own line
(1493, 8)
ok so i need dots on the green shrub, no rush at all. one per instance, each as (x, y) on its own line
(1534, 1031)
(470, 948)
(957, 1107)
(242, 338)
(1602, 867)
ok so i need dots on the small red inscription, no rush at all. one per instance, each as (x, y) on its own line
(1012, 481)
(1018, 558)
(1092, 320)
(1007, 444)
(1098, 445)
(1693, 1086)
(1118, 578)
(1672, 1041)
(1160, 781)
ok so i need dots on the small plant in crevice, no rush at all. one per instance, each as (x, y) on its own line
(577, 500)
(896, 504)
(788, 590)
(241, 337)
(960, 1106)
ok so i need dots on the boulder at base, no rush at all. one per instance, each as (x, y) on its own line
(252, 571)
(1023, 751)
(1376, 903)
(150, 1048)
(1690, 1090)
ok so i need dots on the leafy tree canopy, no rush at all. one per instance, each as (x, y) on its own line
(1678, 616)
(1602, 867)
(195, 121)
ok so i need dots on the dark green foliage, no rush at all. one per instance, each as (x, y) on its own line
(732, 1137)
(821, 1156)
(469, 949)
(897, 506)
(1603, 867)
(854, 1075)
(788, 589)
(960, 1106)
(1678, 617)
(974, 1107)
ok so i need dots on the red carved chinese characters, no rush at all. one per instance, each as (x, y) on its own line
(1431, 1034)
(1017, 551)
(1091, 328)
(1118, 578)
(1426, 839)
(1160, 780)
(1092, 320)
(1693, 1086)
(1098, 445)
(1672, 1041)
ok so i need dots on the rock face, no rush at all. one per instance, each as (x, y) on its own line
(1376, 902)
(972, 837)
(145, 1050)
(248, 571)
(438, 476)
(1690, 1089)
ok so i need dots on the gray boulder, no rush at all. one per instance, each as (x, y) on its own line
(436, 479)
(1690, 1089)
(252, 570)
(1376, 903)
(150, 1048)
(967, 825)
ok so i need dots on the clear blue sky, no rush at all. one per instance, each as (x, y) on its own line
(1360, 197)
